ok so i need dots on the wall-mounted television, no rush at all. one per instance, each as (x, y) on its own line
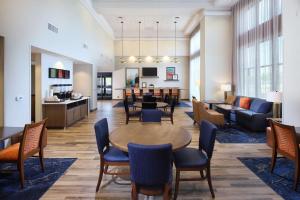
(149, 71)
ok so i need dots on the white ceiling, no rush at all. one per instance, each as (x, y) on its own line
(148, 12)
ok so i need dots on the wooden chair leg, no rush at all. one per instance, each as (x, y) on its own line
(209, 182)
(100, 175)
(167, 192)
(296, 179)
(134, 194)
(172, 119)
(176, 184)
(41, 156)
(201, 173)
(127, 119)
(274, 157)
(21, 173)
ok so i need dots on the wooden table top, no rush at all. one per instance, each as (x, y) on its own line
(8, 132)
(228, 107)
(158, 104)
(150, 134)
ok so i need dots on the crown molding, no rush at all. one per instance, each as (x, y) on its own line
(99, 18)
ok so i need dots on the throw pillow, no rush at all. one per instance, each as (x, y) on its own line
(245, 102)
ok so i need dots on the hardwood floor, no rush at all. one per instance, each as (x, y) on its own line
(231, 179)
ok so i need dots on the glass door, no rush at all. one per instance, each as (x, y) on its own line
(104, 85)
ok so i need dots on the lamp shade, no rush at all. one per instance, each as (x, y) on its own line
(226, 87)
(274, 96)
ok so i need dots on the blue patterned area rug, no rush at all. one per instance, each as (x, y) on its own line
(180, 104)
(236, 134)
(36, 182)
(282, 179)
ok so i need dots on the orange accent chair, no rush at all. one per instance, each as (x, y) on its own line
(31, 144)
(286, 143)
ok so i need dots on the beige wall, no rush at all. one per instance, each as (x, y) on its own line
(216, 55)
(291, 68)
(1, 81)
(82, 79)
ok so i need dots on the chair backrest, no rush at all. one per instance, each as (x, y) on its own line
(175, 91)
(166, 91)
(125, 102)
(230, 99)
(128, 92)
(285, 139)
(156, 92)
(149, 105)
(133, 97)
(145, 90)
(151, 115)
(150, 165)
(32, 138)
(167, 99)
(148, 98)
(136, 91)
(207, 137)
(102, 135)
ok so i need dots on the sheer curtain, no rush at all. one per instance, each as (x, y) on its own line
(195, 65)
(258, 59)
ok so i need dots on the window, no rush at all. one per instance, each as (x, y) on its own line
(258, 40)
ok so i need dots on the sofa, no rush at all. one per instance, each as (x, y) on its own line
(255, 118)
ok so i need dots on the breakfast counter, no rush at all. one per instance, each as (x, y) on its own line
(64, 114)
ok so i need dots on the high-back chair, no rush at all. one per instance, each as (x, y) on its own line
(151, 115)
(156, 92)
(130, 114)
(150, 170)
(191, 159)
(169, 114)
(285, 143)
(149, 98)
(128, 92)
(145, 91)
(137, 92)
(31, 144)
(149, 105)
(196, 110)
(109, 156)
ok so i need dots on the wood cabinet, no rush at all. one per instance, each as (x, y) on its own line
(61, 115)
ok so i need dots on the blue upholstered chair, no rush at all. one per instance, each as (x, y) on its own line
(149, 105)
(151, 115)
(109, 156)
(190, 159)
(150, 170)
(130, 114)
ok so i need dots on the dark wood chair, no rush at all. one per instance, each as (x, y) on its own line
(169, 114)
(191, 159)
(131, 114)
(150, 170)
(109, 156)
(31, 144)
(285, 142)
(149, 105)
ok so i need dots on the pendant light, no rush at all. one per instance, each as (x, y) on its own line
(157, 60)
(139, 59)
(175, 60)
(122, 59)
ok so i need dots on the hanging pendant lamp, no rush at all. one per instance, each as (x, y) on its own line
(139, 59)
(175, 60)
(157, 60)
(122, 59)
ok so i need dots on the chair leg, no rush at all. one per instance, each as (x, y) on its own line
(167, 192)
(172, 119)
(100, 175)
(127, 119)
(41, 156)
(176, 184)
(134, 194)
(296, 179)
(21, 173)
(201, 173)
(209, 182)
(274, 157)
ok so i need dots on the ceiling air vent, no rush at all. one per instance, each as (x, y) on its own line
(52, 28)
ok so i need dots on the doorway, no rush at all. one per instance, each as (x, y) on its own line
(104, 85)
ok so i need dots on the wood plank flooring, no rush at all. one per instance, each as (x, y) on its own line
(231, 179)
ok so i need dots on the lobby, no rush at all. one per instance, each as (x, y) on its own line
(108, 99)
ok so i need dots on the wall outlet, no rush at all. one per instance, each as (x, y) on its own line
(19, 98)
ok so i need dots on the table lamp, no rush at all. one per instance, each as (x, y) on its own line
(226, 87)
(276, 98)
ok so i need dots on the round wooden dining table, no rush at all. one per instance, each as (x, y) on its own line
(150, 134)
(158, 104)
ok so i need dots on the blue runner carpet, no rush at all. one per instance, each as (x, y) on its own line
(36, 181)
(282, 179)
